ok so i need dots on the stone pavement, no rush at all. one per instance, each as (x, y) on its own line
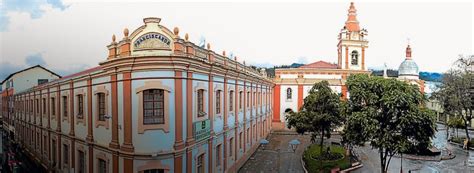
(277, 156)
(370, 158)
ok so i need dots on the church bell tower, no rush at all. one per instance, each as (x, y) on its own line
(352, 43)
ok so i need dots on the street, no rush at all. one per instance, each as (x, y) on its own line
(13, 160)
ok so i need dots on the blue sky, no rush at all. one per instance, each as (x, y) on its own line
(71, 35)
(32, 7)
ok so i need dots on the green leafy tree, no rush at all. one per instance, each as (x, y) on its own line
(319, 115)
(456, 123)
(388, 114)
(455, 93)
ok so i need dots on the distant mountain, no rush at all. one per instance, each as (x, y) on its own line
(296, 65)
(431, 76)
(426, 76)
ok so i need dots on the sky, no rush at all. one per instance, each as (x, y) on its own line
(68, 36)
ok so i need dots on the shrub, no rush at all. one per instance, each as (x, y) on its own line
(337, 153)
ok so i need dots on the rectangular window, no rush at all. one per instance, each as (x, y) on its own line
(53, 151)
(240, 100)
(254, 132)
(200, 164)
(65, 106)
(80, 106)
(218, 155)
(200, 102)
(38, 140)
(153, 106)
(42, 81)
(248, 99)
(37, 106)
(31, 106)
(81, 160)
(45, 144)
(44, 105)
(154, 171)
(102, 166)
(218, 102)
(231, 100)
(254, 99)
(66, 154)
(231, 147)
(240, 140)
(101, 107)
(248, 134)
(53, 106)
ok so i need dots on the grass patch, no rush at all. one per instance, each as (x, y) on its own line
(314, 165)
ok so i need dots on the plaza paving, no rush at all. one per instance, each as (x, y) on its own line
(370, 158)
(278, 156)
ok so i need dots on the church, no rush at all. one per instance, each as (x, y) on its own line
(292, 85)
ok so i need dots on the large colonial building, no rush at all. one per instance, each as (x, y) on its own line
(158, 103)
(292, 85)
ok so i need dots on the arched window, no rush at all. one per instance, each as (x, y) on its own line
(354, 57)
(288, 94)
(153, 106)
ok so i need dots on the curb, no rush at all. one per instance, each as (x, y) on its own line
(302, 164)
(355, 166)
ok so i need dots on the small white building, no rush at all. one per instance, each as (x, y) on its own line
(20, 81)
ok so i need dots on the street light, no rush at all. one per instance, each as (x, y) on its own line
(264, 142)
(294, 144)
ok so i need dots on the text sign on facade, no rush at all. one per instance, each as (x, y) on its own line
(152, 40)
(202, 130)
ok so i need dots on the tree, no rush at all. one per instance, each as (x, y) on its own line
(319, 114)
(455, 91)
(456, 123)
(388, 114)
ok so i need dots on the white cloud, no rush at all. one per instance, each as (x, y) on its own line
(259, 33)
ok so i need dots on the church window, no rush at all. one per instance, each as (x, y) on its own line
(354, 57)
(288, 94)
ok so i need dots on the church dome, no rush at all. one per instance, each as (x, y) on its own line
(408, 67)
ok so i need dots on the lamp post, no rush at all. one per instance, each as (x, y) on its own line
(293, 144)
